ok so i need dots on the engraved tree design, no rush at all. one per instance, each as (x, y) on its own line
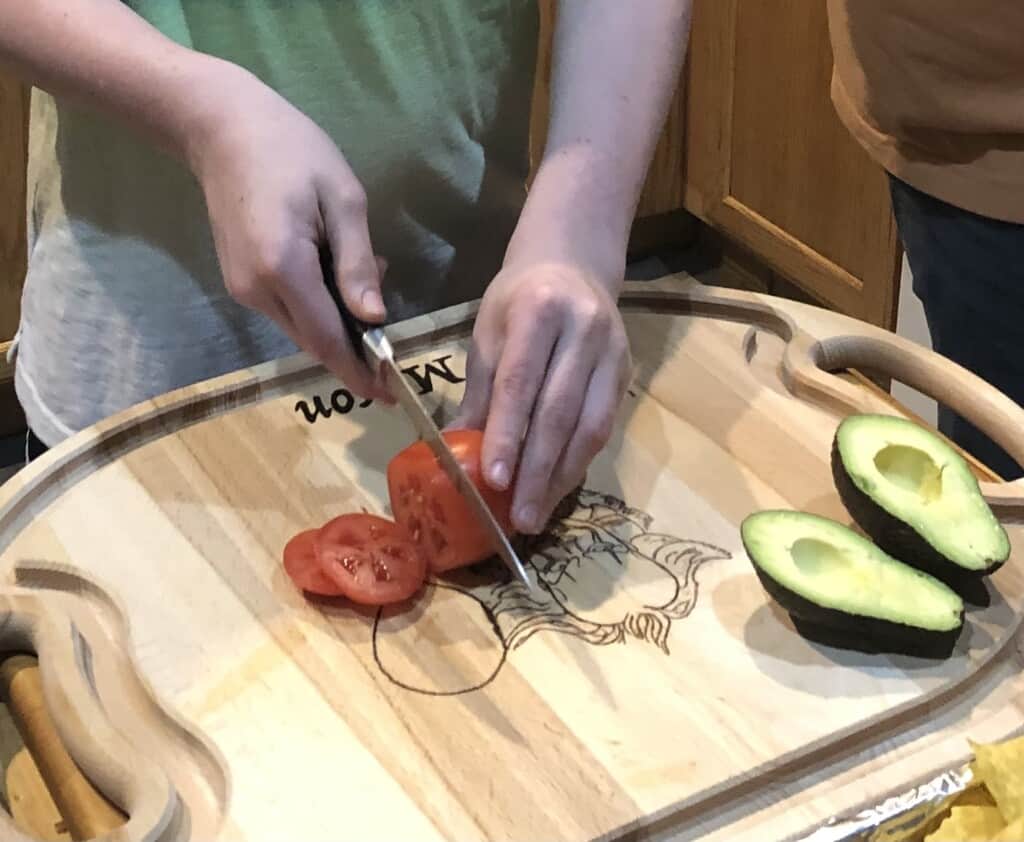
(600, 575)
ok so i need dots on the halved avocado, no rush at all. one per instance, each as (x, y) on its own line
(917, 499)
(842, 590)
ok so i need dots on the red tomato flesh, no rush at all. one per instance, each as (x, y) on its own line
(303, 566)
(428, 506)
(370, 559)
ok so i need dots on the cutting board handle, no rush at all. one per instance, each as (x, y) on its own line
(820, 341)
(841, 343)
(47, 624)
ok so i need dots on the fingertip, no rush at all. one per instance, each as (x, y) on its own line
(526, 519)
(500, 457)
(372, 305)
(499, 476)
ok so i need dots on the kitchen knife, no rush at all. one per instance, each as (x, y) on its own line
(366, 337)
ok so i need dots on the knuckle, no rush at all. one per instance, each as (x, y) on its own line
(547, 298)
(516, 383)
(270, 261)
(598, 321)
(245, 292)
(354, 202)
(558, 418)
(589, 309)
(596, 430)
(544, 463)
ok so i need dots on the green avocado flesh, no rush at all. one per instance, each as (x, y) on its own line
(826, 573)
(923, 485)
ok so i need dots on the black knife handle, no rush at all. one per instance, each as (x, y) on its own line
(354, 327)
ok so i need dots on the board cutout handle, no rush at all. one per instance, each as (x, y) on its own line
(820, 341)
(86, 813)
(841, 342)
(44, 625)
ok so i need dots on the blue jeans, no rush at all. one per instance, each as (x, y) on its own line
(969, 274)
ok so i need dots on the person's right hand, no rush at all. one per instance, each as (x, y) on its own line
(277, 190)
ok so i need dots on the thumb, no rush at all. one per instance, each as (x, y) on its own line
(357, 270)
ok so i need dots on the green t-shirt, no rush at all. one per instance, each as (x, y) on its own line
(428, 100)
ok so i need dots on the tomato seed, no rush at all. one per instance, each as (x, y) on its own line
(380, 571)
(351, 563)
(438, 512)
(415, 529)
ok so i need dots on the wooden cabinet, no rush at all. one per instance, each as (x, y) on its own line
(664, 187)
(753, 148)
(769, 164)
(13, 139)
(13, 108)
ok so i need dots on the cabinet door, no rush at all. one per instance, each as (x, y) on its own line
(13, 108)
(13, 138)
(769, 164)
(663, 188)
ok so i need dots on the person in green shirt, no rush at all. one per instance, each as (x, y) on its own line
(190, 160)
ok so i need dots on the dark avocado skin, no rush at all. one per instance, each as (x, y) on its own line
(899, 540)
(838, 629)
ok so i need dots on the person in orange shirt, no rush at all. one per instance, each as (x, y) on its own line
(936, 97)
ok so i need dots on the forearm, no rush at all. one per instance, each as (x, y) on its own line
(615, 69)
(102, 55)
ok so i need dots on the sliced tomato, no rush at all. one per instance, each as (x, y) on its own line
(370, 558)
(303, 565)
(426, 503)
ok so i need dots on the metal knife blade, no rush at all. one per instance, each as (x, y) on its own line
(365, 337)
(377, 342)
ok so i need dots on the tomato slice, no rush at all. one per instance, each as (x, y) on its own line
(426, 503)
(370, 558)
(302, 565)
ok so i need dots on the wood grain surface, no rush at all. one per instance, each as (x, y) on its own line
(649, 684)
(768, 162)
(768, 35)
(32, 806)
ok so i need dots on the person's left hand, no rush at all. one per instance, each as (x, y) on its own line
(546, 373)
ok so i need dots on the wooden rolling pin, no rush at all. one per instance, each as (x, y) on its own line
(86, 813)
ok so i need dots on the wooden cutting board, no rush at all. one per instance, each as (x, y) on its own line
(647, 679)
